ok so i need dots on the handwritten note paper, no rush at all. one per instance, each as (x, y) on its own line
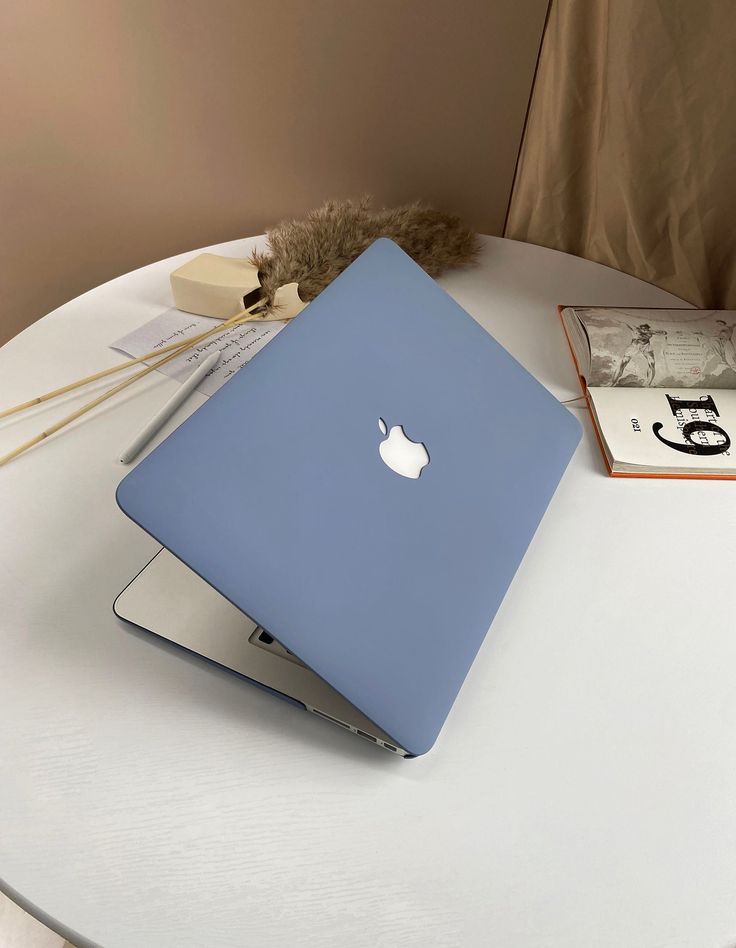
(237, 346)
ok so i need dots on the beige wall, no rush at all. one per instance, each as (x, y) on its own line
(135, 129)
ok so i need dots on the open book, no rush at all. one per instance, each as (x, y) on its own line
(660, 385)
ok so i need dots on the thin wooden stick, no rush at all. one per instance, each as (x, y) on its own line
(186, 341)
(117, 388)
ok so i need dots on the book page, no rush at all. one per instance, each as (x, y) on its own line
(656, 348)
(664, 429)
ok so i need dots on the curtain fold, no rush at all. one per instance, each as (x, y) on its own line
(629, 155)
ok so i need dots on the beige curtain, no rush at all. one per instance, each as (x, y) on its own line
(629, 156)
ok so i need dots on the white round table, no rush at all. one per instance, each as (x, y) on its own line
(581, 793)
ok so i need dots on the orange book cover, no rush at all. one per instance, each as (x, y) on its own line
(599, 436)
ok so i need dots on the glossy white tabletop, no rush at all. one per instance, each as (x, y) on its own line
(582, 791)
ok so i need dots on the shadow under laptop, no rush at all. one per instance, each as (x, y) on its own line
(277, 722)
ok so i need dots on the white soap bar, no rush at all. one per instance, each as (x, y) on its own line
(210, 285)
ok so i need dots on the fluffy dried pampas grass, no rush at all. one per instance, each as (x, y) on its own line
(313, 251)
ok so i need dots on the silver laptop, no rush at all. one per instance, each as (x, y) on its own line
(342, 519)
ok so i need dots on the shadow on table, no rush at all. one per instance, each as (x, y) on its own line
(270, 715)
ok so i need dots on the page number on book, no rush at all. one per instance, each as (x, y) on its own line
(635, 425)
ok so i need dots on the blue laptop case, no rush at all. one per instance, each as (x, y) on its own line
(275, 493)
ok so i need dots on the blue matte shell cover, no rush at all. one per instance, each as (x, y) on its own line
(274, 491)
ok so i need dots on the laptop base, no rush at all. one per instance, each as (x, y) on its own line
(167, 599)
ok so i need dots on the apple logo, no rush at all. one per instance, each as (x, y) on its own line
(401, 454)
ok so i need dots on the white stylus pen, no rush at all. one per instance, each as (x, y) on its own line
(164, 413)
